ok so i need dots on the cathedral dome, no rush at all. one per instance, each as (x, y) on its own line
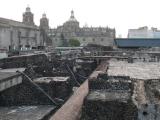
(28, 9)
(72, 24)
(44, 15)
(72, 18)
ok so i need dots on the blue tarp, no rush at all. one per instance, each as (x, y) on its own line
(137, 42)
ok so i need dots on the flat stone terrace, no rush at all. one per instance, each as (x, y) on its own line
(137, 70)
(9, 79)
(25, 112)
(7, 75)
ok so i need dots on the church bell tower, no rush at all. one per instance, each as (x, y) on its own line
(28, 17)
(44, 22)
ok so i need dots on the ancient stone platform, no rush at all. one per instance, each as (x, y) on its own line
(26, 112)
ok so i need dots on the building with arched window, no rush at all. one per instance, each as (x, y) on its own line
(25, 35)
(85, 35)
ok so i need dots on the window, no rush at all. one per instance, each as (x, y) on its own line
(20, 46)
(34, 48)
(27, 46)
(102, 39)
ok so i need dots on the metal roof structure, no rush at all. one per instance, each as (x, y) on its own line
(137, 42)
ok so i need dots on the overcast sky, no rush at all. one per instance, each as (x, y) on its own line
(119, 14)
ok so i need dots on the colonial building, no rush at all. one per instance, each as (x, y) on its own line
(44, 30)
(86, 35)
(25, 35)
(44, 22)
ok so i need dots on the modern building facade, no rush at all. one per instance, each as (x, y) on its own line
(144, 32)
(137, 42)
(85, 35)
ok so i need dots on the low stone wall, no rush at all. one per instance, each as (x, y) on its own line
(11, 79)
(110, 110)
(111, 83)
(109, 98)
(27, 94)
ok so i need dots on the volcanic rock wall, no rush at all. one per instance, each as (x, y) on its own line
(27, 94)
(109, 99)
(127, 91)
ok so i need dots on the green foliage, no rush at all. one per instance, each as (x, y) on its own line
(74, 43)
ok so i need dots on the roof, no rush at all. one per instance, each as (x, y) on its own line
(11, 70)
(137, 42)
(68, 48)
(50, 79)
(7, 75)
(8, 22)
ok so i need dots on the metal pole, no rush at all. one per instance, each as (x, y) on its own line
(30, 80)
(72, 75)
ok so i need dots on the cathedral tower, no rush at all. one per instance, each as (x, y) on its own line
(44, 22)
(28, 17)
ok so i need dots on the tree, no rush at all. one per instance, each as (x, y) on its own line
(74, 43)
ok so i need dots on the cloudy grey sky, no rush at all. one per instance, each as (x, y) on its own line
(120, 14)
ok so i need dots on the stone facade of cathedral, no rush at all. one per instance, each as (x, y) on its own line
(86, 35)
(22, 36)
(25, 35)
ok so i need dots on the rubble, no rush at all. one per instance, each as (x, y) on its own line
(28, 94)
(71, 110)
(54, 77)
(109, 98)
(127, 91)
(57, 87)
